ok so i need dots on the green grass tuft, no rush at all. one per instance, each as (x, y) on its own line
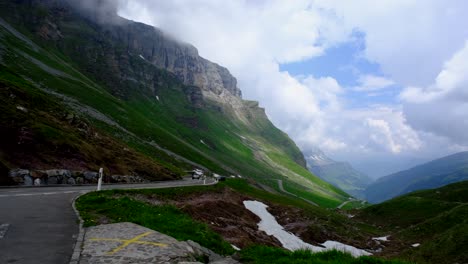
(166, 219)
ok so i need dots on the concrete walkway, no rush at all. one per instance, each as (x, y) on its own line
(130, 243)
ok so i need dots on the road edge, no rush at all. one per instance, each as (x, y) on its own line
(75, 258)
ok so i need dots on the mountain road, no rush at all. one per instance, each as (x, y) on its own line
(39, 225)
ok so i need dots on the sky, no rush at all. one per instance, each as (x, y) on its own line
(380, 84)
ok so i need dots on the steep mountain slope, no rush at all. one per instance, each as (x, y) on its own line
(340, 174)
(146, 92)
(436, 219)
(439, 172)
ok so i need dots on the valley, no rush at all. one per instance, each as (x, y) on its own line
(83, 88)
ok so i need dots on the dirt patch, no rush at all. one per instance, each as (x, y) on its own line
(225, 213)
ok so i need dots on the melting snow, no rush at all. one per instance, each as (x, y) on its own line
(269, 225)
(384, 238)
(234, 247)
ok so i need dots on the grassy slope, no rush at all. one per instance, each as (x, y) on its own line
(437, 219)
(150, 120)
(96, 206)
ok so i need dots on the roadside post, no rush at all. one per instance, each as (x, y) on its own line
(100, 179)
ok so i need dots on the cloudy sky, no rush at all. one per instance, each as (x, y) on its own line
(381, 84)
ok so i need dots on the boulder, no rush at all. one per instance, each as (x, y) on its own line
(79, 180)
(52, 180)
(60, 172)
(38, 174)
(37, 182)
(90, 176)
(71, 181)
(28, 180)
(18, 173)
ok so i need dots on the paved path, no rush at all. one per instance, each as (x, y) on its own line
(280, 185)
(38, 224)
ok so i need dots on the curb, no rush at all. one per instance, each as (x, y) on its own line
(75, 258)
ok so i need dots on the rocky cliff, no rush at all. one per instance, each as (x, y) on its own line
(148, 94)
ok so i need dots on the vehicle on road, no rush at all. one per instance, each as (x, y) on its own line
(197, 174)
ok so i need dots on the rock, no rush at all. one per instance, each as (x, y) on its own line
(18, 180)
(21, 108)
(38, 174)
(52, 180)
(37, 182)
(157, 247)
(79, 180)
(58, 172)
(76, 174)
(227, 260)
(18, 172)
(71, 181)
(28, 181)
(90, 176)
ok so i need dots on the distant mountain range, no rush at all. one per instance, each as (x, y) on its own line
(437, 173)
(340, 174)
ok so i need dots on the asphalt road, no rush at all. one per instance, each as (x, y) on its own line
(38, 224)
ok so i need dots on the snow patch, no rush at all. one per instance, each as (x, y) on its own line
(416, 245)
(234, 247)
(203, 142)
(157, 97)
(141, 56)
(384, 238)
(269, 225)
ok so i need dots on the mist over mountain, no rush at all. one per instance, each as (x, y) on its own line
(340, 174)
(83, 88)
(436, 173)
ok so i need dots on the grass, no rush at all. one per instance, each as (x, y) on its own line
(119, 206)
(437, 219)
(172, 122)
(166, 219)
(270, 255)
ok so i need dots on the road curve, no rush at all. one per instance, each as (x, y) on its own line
(38, 224)
(280, 185)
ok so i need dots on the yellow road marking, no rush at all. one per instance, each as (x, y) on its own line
(126, 242)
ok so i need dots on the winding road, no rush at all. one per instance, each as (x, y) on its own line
(38, 224)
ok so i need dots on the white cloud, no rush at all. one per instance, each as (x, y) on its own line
(409, 39)
(441, 108)
(370, 83)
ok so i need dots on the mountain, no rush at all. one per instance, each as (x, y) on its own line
(429, 226)
(83, 88)
(439, 172)
(340, 174)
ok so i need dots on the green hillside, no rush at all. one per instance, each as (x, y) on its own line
(436, 219)
(81, 97)
(437, 173)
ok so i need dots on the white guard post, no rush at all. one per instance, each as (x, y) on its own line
(100, 179)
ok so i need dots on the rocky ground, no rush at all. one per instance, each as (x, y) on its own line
(225, 213)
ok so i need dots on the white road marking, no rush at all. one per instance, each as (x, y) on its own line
(3, 229)
(38, 193)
